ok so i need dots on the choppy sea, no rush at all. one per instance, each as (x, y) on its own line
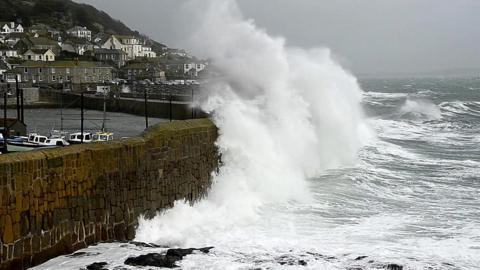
(412, 199)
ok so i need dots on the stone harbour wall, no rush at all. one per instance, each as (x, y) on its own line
(56, 201)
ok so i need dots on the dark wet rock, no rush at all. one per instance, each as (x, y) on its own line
(147, 245)
(151, 259)
(321, 256)
(78, 254)
(82, 254)
(97, 266)
(289, 260)
(359, 258)
(393, 266)
(180, 252)
(168, 260)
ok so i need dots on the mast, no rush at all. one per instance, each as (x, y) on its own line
(81, 117)
(17, 94)
(104, 127)
(61, 109)
(146, 108)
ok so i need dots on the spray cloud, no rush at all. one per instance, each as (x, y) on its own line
(283, 114)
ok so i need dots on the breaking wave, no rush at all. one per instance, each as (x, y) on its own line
(420, 109)
(283, 113)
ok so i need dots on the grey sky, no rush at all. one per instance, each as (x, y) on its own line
(368, 36)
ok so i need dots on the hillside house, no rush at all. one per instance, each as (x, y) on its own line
(147, 52)
(39, 55)
(129, 44)
(80, 32)
(44, 30)
(7, 52)
(114, 56)
(192, 69)
(78, 46)
(40, 43)
(141, 71)
(10, 27)
(75, 72)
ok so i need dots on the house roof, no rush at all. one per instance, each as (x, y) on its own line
(64, 64)
(77, 41)
(43, 41)
(17, 35)
(109, 51)
(39, 51)
(125, 37)
(10, 122)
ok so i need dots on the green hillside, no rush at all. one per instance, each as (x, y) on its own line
(60, 14)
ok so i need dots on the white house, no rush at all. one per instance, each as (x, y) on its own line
(129, 44)
(193, 69)
(10, 27)
(147, 52)
(78, 47)
(39, 55)
(7, 52)
(80, 32)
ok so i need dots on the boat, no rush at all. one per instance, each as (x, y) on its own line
(3, 144)
(76, 138)
(103, 136)
(34, 141)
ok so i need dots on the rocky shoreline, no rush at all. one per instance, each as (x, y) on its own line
(170, 257)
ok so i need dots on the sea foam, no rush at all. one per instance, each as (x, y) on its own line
(283, 114)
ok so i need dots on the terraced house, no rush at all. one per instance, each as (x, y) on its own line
(63, 72)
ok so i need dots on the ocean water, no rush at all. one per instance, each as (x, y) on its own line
(320, 170)
(412, 198)
(43, 121)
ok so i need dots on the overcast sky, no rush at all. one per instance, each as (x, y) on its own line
(368, 36)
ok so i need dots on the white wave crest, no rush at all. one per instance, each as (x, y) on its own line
(420, 109)
(283, 114)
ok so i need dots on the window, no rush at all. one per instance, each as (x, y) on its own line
(40, 57)
(40, 78)
(40, 70)
(67, 70)
(60, 78)
(54, 78)
(25, 70)
(53, 70)
(68, 78)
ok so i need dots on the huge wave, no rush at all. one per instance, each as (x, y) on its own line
(283, 114)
